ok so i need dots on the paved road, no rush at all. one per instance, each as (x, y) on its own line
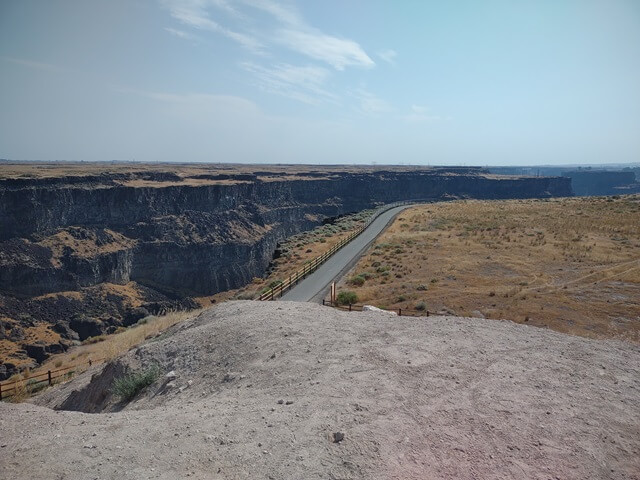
(315, 286)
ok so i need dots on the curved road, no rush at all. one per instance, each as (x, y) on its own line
(315, 286)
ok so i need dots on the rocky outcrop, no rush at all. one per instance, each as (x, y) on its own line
(588, 182)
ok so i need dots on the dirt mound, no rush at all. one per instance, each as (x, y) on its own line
(286, 390)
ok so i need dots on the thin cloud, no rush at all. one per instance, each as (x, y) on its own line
(288, 16)
(180, 34)
(305, 84)
(37, 65)
(420, 114)
(290, 30)
(196, 101)
(371, 104)
(388, 55)
(193, 13)
(337, 52)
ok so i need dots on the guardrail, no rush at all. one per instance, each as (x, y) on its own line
(352, 307)
(34, 382)
(312, 265)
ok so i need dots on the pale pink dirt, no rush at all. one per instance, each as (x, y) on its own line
(416, 398)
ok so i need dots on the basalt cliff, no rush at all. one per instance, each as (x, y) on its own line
(85, 250)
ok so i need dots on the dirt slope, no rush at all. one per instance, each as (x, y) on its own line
(416, 398)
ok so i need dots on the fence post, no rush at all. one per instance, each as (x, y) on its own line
(49, 377)
(323, 302)
(399, 312)
(349, 307)
(427, 313)
(0, 391)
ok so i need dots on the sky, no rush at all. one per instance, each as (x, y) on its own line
(478, 82)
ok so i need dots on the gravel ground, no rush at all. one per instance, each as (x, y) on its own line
(261, 389)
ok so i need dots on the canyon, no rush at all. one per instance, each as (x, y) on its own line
(86, 249)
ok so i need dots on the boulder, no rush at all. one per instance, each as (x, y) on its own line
(86, 327)
(371, 308)
(65, 331)
(134, 315)
(37, 351)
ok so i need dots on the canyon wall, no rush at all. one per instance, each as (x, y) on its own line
(197, 239)
(174, 237)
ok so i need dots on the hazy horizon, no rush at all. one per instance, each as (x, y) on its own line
(549, 83)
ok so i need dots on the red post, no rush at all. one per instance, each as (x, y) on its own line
(399, 312)
(49, 377)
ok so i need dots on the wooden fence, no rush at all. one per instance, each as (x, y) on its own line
(402, 312)
(36, 382)
(312, 265)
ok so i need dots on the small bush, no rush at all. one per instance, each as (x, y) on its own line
(347, 297)
(245, 296)
(357, 281)
(422, 287)
(421, 306)
(96, 339)
(130, 385)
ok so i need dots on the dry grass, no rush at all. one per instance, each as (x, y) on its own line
(185, 170)
(110, 347)
(114, 345)
(88, 245)
(572, 265)
(10, 350)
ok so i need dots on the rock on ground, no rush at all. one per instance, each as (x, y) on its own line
(261, 389)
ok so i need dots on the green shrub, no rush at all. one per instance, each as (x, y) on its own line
(347, 297)
(130, 385)
(357, 281)
(421, 306)
(92, 340)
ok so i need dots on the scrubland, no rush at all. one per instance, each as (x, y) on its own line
(570, 264)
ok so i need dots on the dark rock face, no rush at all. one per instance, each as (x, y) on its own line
(586, 182)
(37, 351)
(86, 327)
(197, 239)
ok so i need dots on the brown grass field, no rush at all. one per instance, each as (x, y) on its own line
(572, 264)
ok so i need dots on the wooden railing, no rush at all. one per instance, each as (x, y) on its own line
(312, 265)
(35, 382)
